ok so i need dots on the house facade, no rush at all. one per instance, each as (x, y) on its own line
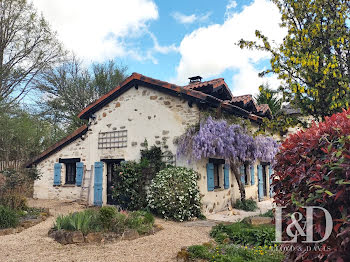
(80, 166)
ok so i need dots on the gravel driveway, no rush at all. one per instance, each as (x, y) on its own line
(33, 244)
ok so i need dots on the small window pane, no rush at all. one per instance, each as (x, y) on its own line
(70, 173)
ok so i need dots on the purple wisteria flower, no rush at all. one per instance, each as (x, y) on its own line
(216, 138)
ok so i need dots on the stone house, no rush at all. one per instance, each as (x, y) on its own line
(80, 166)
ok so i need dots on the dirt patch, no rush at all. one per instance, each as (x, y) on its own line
(34, 244)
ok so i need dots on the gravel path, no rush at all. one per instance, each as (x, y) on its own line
(33, 244)
(236, 215)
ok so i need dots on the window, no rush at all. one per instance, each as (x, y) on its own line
(218, 172)
(244, 171)
(246, 174)
(216, 176)
(114, 139)
(71, 169)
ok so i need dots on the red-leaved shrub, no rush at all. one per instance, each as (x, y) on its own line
(313, 169)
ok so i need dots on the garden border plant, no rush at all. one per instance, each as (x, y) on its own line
(174, 194)
(313, 169)
(15, 215)
(102, 224)
(236, 242)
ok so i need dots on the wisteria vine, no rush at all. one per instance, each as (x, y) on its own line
(216, 138)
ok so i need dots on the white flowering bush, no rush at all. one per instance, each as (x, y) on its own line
(174, 194)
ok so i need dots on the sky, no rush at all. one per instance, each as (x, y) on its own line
(170, 40)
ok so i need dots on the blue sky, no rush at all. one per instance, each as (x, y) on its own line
(169, 40)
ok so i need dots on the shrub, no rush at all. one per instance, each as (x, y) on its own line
(14, 201)
(228, 253)
(119, 223)
(18, 182)
(107, 215)
(199, 251)
(313, 169)
(132, 178)
(129, 186)
(246, 204)
(8, 217)
(244, 234)
(141, 221)
(174, 194)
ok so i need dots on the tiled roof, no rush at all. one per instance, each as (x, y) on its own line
(73, 136)
(214, 82)
(136, 79)
(245, 99)
(263, 108)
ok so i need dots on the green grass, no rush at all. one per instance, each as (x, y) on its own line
(244, 234)
(235, 253)
(246, 205)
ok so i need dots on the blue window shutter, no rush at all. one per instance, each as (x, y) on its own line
(260, 183)
(80, 173)
(57, 174)
(252, 175)
(98, 183)
(270, 179)
(226, 176)
(210, 176)
(242, 174)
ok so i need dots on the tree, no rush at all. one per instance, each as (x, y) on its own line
(27, 48)
(270, 97)
(23, 135)
(71, 87)
(216, 138)
(107, 76)
(314, 59)
(281, 121)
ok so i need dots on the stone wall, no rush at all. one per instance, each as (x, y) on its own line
(44, 189)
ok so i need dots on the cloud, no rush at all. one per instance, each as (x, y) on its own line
(162, 49)
(96, 30)
(190, 19)
(210, 51)
(232, 4)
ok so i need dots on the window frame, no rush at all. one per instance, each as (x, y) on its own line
(70, 165)
(218, 173)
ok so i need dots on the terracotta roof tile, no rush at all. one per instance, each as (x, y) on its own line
(244, 98)
(138, 77)
(263, 108)
(214, 82)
